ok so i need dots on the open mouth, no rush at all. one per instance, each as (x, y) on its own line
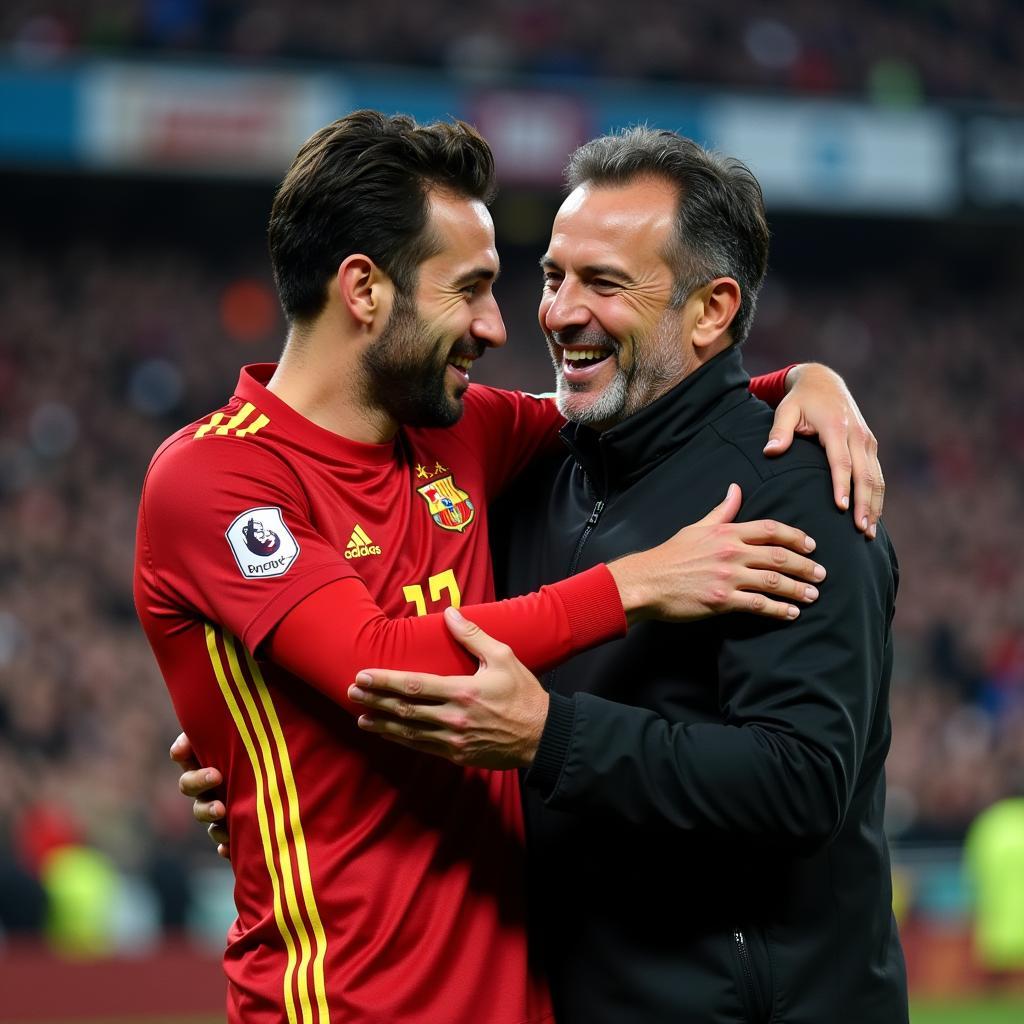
(580, 362)
(461, 365)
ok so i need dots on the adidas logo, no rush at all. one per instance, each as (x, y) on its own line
(360, 544)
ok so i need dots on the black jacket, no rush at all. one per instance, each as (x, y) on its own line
(704, 814)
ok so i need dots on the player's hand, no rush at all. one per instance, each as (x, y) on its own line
(718, 566)
(200, 784)
(819, 402)
(493, 719)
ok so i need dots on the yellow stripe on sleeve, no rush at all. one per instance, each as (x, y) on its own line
(261, 814)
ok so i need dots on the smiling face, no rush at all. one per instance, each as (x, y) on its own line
(418, 369)
(606, 310)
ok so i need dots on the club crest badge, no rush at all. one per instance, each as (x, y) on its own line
(261, 543)
(449, 506)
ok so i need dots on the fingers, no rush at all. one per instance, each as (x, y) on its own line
(727, 511)
(835, 439)
(399, 708)
(182, 754)
(219, 837)
(868, 483)
(784, 562)
(480, 644)
(421, 686)
(769, 531)
(197, 781)
(787, 417)
(777, 585)
(210, 812)
(430, 737)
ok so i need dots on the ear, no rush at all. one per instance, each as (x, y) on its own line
(720, 302)
(364, 290)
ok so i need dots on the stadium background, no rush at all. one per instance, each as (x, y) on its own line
(140, 142)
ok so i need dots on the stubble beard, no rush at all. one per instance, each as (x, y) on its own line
(405, 371)
(656, 368)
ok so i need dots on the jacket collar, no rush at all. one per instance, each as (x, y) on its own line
(625, 452)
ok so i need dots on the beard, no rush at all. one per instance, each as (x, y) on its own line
(572, 400)
(405, 372)
(656, 367)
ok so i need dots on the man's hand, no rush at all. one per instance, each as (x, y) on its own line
(493, 719)
(199, 784)
(717, 566)
(819, 402)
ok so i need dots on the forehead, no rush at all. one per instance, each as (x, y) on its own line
(464, 232)
(632, 222)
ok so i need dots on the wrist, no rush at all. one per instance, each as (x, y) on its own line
(793, 376)
(631, 581)
(529, 754)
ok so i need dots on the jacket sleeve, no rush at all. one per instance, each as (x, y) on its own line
(796, 701)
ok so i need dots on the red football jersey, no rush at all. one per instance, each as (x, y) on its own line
(373, 884)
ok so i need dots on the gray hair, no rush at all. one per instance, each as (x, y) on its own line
(721, 228)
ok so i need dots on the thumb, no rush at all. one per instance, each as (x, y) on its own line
(727, 511)
(481, 645)
(787, 418)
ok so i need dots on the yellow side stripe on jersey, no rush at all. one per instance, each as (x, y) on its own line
(261, 815)
(283, 845)
(301, 851)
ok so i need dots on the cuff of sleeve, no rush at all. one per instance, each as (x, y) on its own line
(593, 607)
(771, 387)
(547, 765)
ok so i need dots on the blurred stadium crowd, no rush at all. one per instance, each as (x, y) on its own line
(893, 51)
(105, 349)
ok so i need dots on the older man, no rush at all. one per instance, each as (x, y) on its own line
(703, 801)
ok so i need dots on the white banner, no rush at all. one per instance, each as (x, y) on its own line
(841, 157)
(175, 119)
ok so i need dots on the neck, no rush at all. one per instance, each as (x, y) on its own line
(321, 378)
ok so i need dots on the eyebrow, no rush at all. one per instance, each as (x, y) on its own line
(592, 270)
(477, 274)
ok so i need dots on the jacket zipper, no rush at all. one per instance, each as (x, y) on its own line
(743, 952)
(587, 530)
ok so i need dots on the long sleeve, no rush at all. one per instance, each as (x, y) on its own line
(340, 629)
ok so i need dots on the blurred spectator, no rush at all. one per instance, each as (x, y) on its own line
(994, 858)
(894, 53)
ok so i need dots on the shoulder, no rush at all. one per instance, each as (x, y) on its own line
(745, 428)
(197, 460)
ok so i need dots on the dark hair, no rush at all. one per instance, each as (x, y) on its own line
(361, 185)
(721, 229)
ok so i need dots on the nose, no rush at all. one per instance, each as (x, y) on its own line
(488, 326)
(562, 309)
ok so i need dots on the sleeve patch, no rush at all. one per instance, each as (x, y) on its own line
(261, 543)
